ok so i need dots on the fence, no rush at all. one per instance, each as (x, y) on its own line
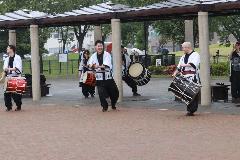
(53, 68)
(171, 59)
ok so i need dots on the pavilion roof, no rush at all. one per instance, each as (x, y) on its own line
(104, 12)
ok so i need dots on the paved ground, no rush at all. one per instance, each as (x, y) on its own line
(65, 126)
(154, 95)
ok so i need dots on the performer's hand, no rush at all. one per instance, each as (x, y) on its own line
(102, 66)
(183, 65)
(95, 66)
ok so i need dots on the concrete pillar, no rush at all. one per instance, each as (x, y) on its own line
(97, 33)
(205, 58)
(189, 31)
(36, 90)
(12, 37)
(117, 56)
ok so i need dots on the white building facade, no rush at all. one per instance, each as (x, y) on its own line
(54, 44)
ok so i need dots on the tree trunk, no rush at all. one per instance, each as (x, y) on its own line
(64, 35)
(41, 63)
(174, 46)
(80, 34)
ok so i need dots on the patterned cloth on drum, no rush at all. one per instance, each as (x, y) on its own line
(184, 89)
(89, 78)
(139, 73)
(15, 85)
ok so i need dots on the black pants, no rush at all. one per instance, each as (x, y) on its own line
(235, 84)
(193, 106)
(107, 88)
(131, 83)
(87, 89)
(16, 97)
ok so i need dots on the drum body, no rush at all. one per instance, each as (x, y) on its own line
(139, 73)
(184, 89)
(89, 78)
(145, 79)
(15, 85)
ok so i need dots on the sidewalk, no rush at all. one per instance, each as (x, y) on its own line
(154, 95)
(66, 126)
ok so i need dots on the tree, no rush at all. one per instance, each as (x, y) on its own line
(132, 32)
(80, 32)
(170, 30)
(226, 25)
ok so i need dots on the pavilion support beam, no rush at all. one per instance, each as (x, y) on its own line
(205, 58)
(36, 88)
(97, 33)
(117, 56)
(12, 37)
(189, 31)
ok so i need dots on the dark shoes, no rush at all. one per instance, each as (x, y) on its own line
(104, 109)
(8, 109)
(18, 109)
(114, 108)
(136, 94)
(189, 114)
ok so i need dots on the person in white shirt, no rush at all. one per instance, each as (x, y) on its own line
(126, 61)
(12, 68)
(189, 68)
(86, 89)
(101, 62)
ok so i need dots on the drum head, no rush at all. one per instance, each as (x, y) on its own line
(135, 70)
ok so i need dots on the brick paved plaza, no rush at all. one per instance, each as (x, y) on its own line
(151, 127)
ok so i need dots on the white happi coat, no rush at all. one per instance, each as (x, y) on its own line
(107, 61)
(194, 58)
(17, 63)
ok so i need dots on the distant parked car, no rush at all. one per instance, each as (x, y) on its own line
(136, 51)
(27, 56)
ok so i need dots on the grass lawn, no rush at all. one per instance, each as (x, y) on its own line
(223, 50)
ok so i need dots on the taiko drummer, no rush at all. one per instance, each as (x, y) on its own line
(12, 68)
(101, 62)
(87, 88)
(189, 67)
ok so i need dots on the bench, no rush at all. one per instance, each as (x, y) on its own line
(219, 92)
(44, 90)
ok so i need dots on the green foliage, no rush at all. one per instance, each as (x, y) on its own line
(226, 25)
(220, 69)
(3, 40)
(162, 70)
(170, 30)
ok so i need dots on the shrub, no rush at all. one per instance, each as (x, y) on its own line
(220, 69)
(168, 70)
